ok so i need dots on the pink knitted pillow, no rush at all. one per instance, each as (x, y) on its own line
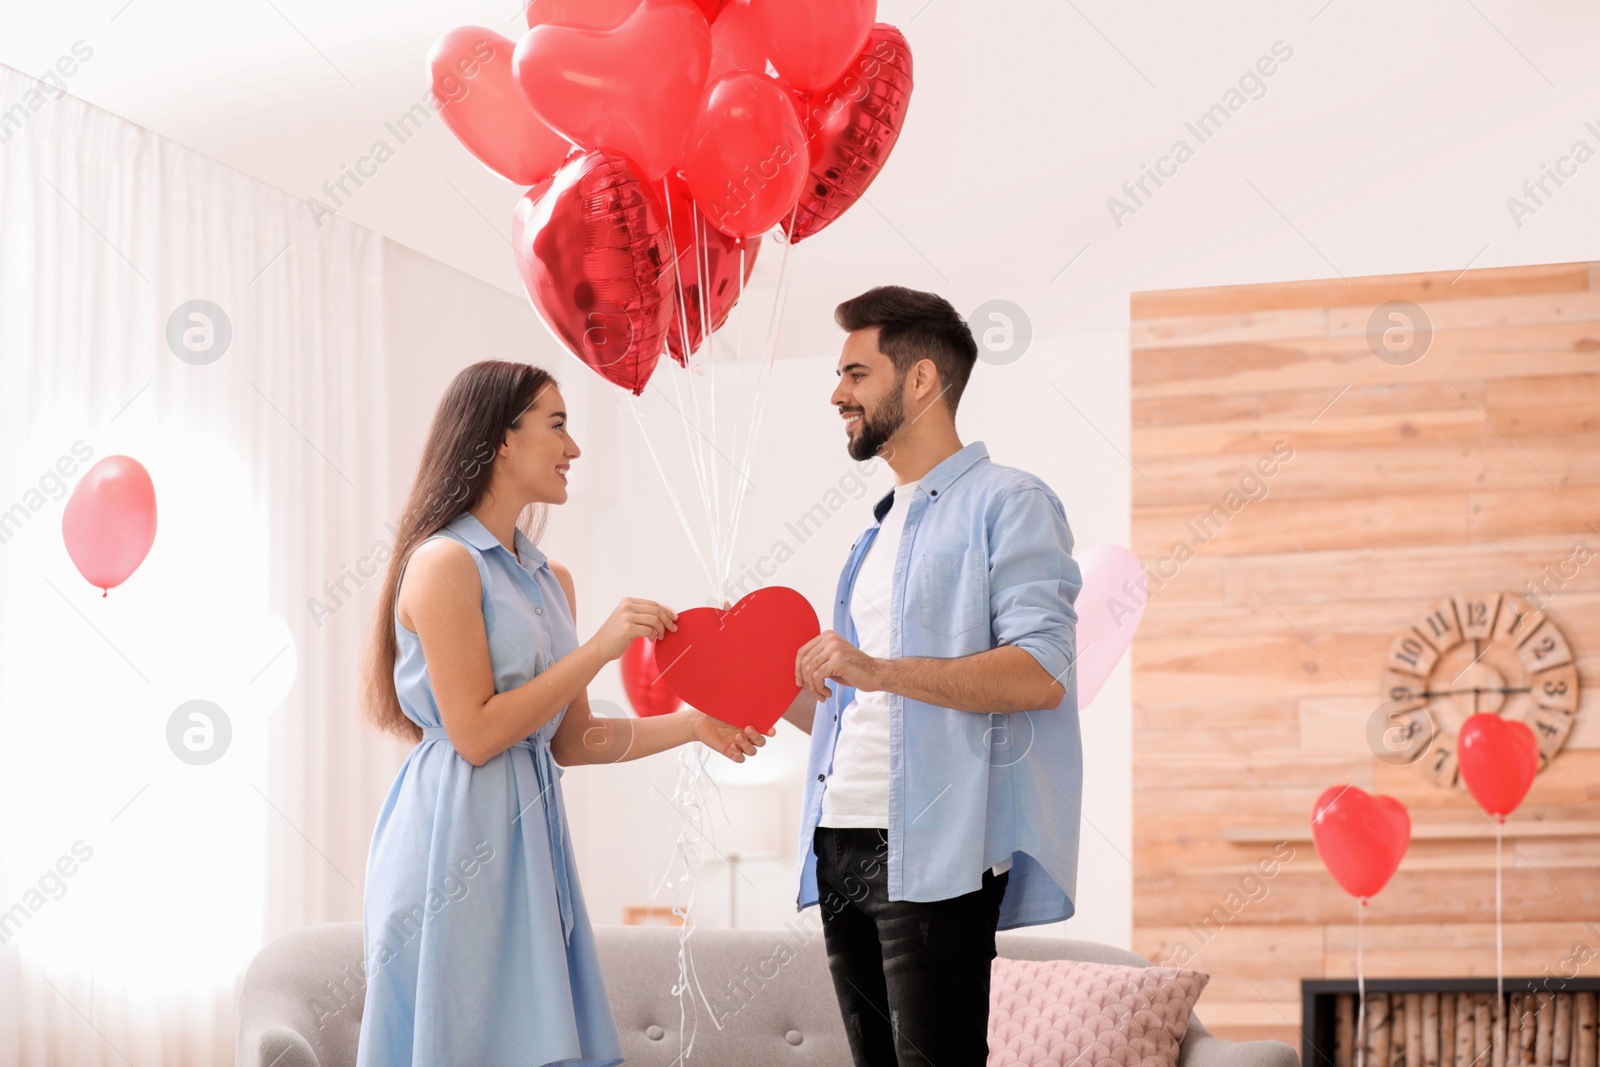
(1066, 1013)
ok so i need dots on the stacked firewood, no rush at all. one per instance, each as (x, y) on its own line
(1469, 1030)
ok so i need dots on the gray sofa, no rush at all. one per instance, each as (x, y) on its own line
(302, 999)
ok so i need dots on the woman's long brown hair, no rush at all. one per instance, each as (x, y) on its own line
(482, 404)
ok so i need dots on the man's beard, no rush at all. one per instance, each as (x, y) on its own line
(877, 428)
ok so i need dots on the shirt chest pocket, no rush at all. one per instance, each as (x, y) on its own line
(947, 594)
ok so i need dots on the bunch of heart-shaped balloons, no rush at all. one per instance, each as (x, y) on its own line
(1362, 838)
(661, 139)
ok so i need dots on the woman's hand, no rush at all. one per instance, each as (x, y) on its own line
(633, 618)
(735, 742)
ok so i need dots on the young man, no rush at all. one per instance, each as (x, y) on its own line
(946, 771)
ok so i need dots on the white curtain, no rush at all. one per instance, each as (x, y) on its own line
(135, 885)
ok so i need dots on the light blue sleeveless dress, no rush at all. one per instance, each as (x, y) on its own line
(478, 948)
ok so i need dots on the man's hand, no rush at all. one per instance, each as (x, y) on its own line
(829, 656)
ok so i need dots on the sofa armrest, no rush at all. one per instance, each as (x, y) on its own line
(262, 1044)
(1201, 1049)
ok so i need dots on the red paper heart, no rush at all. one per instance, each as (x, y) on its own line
(1499, 759)
(737, 665)
(631, 89)
(1360, 837)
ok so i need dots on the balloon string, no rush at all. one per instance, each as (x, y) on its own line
(694, 448)
(708, 361)
(780, 302)
(1361, 986)
(1499, 944)
(677, 506)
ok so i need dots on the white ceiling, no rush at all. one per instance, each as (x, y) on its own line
(1389, 141)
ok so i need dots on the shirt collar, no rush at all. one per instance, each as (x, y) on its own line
(939, 478)
(476, 534)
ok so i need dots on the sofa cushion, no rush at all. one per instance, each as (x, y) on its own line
(1056, 1013)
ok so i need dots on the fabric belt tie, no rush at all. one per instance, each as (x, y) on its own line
(547, 772)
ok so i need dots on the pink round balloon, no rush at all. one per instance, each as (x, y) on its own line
(1110, 606)
(109, 523)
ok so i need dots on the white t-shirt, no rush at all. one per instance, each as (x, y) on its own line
(857, 793)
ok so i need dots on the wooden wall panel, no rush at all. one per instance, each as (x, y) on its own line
(1257, 667)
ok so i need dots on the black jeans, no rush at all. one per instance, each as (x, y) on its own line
(912, 977)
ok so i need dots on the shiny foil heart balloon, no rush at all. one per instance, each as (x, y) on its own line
(1360, 837)
(851, 127)
(594, 255)
(697, 243)
(484, 108)
(737, 664)
(109, 522)
(633, 89)
(1499, 759)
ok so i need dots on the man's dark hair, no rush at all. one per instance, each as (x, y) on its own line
(914, 326)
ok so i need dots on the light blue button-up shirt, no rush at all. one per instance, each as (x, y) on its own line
(985, 561)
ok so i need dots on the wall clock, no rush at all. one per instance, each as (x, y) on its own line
(1470, 653)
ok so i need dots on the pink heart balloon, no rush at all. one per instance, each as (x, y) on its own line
(485, 109)
(1499, 759)
(1110, 606)
(633, 89)
(109, 523)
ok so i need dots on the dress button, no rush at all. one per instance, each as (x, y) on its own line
(654, 1033)
(538, 611)
(793, 1037)
(821, 777)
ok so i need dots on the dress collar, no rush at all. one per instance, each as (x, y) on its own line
(476, 534)
(939, 478)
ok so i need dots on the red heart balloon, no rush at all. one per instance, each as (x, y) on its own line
(484, 108)
(811, 42)
(633, 89)
(746, 160)
(738, 664)
(851, 127)
(1499, 759)
(1360, 837)
(109, 523)
(641, 680)
(696, 241)
(594, 255)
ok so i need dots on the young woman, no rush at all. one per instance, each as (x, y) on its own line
(477, 944)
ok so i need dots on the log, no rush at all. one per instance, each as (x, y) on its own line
(1397, 1031)
(1344, 1030)
(1561, 1053)
(1530, 1026)
(1377, 1030)
(1587, 1053)
(1414, 1029)
(1466, 1030)
(1482, 1028)
(1516, 1009)
(1498, 1005)
(1545, 1036)
(1447, 1029)
(1430, 1030)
